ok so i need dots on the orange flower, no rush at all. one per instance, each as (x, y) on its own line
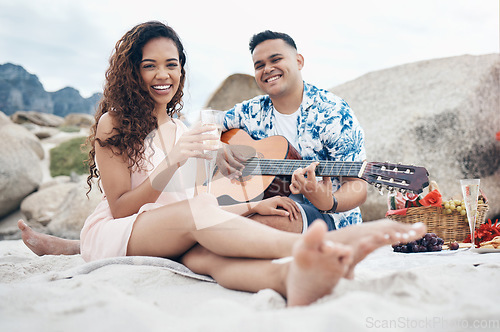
(432, 199)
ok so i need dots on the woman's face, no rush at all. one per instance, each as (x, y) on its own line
(160, 70)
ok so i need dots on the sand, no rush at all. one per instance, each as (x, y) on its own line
(448, 291)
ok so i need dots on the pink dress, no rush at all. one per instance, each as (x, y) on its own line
(102, 236)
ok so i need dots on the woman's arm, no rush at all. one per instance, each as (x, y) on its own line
(115, 172)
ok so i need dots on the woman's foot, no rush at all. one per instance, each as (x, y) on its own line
(317, 266)
(43, 244)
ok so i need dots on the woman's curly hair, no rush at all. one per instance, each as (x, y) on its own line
(124, 95)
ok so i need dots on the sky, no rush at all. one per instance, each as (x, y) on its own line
(68, 42)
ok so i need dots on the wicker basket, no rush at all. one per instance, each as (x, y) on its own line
(449, 227)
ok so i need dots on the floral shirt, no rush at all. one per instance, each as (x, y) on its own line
(326, 129)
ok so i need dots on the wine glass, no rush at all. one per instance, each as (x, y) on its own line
(470, 191)
(212, 117)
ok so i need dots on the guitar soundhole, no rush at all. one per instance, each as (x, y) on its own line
(279, 187)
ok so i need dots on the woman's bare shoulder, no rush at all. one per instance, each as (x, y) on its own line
(106, 125)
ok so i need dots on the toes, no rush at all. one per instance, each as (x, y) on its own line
(313, 238)
(21, 225)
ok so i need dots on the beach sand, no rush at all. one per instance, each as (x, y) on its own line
(447, 291)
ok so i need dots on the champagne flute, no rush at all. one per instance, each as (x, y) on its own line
(470, 191)
(212, 117)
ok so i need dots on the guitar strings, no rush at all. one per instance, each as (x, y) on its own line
(287, 166)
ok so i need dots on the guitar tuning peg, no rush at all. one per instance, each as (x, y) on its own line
(391, 189)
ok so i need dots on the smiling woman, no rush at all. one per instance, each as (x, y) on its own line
(160, 70)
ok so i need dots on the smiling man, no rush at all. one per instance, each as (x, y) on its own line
(320, 125)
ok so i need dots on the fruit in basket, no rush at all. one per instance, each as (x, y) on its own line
(429, 242)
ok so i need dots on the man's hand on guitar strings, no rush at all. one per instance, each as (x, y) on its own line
(230, 159)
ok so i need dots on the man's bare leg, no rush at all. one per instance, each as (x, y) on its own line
(43, 244)
(280, 222)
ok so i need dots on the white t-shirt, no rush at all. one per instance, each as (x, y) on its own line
(286, 126)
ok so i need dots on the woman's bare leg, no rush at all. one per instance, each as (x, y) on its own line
(316, 268)
(44, 244)
(171, 230)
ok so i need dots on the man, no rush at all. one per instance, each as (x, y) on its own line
(320, 125)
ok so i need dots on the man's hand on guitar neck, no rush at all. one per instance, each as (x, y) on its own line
(351, 194)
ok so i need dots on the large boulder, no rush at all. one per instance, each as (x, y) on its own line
(79, 120)
(20, 164)
(441, 114)
(61, 209)
(235, 89)
(38, 118)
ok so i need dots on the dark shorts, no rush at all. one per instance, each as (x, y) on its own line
(312, 214)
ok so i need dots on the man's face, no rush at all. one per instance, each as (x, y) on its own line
(277, 67)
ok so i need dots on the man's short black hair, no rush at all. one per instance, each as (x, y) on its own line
(267, 35)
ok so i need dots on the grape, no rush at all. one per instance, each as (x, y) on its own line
(435, 248)
(429, 242)
(453, 245)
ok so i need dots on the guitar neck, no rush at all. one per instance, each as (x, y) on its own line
(277, 167)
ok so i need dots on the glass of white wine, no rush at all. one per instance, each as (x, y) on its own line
(212, 117)
(470, 191)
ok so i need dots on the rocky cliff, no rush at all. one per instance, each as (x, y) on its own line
(22, 91)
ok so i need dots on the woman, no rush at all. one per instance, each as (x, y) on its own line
(144, 162)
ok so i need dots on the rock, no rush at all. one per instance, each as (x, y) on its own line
(62, 208)
(20, 167)
(22, 134)
(441, 114)
(235, 89)
(39, 118)
(41, 206)
(79, 120)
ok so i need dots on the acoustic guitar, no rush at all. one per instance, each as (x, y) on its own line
(271, 161)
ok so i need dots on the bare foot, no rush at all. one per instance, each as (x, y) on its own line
(317, 266)
(43, 244)
(397, 232)
(383, 234)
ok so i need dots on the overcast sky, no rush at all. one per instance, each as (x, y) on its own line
(68, 42)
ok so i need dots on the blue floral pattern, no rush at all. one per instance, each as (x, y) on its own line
(327, 130)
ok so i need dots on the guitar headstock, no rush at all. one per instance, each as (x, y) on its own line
(405, 178)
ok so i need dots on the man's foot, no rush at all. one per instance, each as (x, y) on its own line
(317, 266)
(43, 244)
(396, 231)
